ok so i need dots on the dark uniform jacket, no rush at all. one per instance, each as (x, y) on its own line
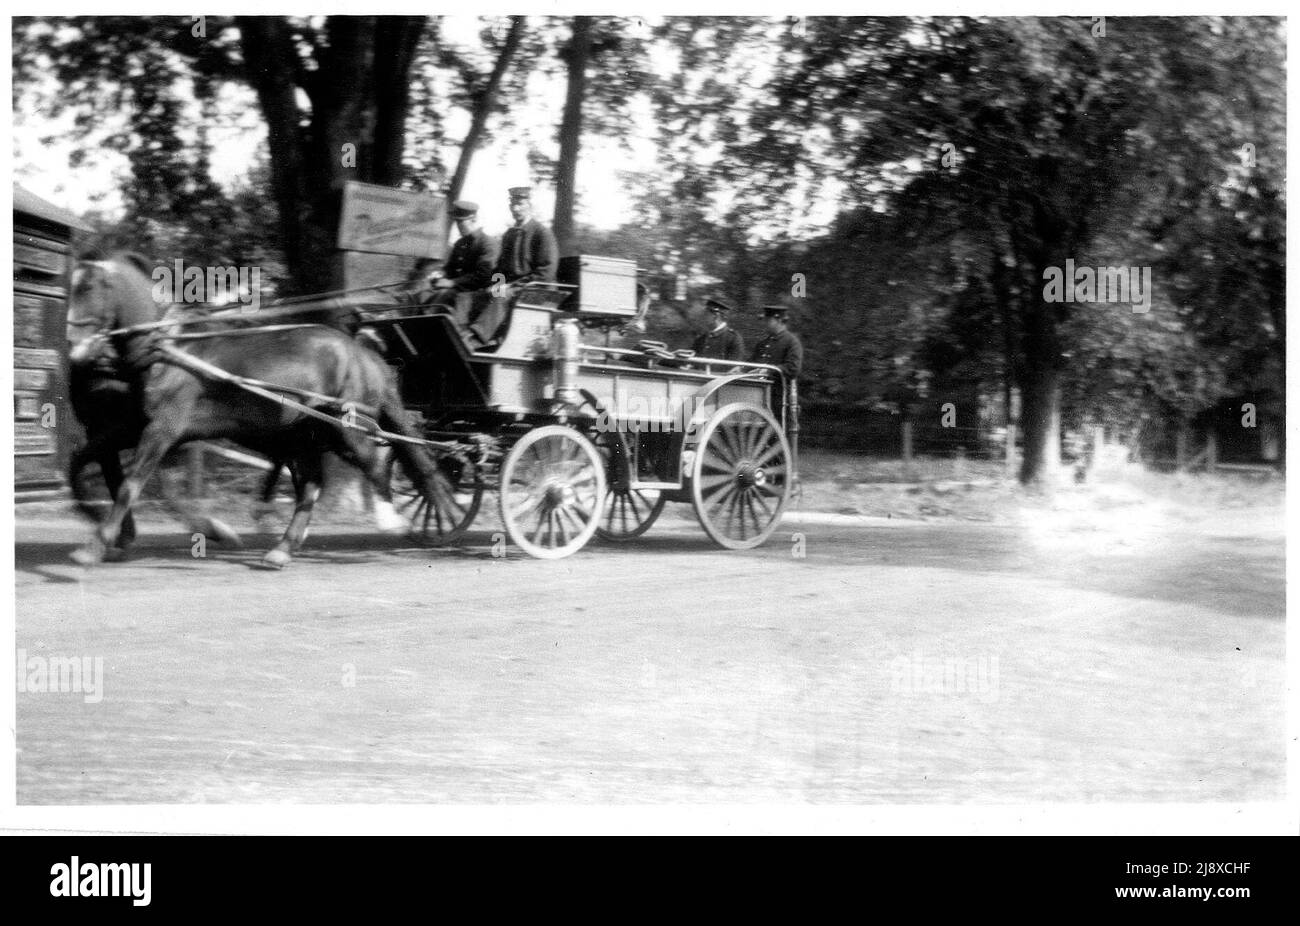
(781, 350)
(472, 261)
(528, 253)
(726, 344)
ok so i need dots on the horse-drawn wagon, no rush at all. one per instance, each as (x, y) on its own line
(580, 434)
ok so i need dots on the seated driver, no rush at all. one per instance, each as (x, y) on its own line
(528, 254)
(471, 263)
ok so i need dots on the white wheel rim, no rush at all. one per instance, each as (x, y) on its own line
(552, 492)
(741, 476)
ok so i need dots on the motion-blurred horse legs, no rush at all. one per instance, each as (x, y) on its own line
(110, 467)
(361, 452)
(205, 524)
(158, 438)
(264, 507)
(307, 471)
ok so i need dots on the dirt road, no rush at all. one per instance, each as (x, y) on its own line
(889, 663)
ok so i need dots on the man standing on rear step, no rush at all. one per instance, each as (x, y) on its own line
(721, 341)
(528, 254)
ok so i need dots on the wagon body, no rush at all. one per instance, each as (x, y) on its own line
(582, 437)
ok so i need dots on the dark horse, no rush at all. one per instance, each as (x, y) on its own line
(107, 405)
(176, 404)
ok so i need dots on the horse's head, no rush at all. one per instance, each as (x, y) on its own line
(107, 295)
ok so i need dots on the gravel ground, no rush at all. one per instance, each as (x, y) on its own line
(1111, 643)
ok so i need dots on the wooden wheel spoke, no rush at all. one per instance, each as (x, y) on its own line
(711, 482)
(531, 503)
(712, 502)
(719, 456)
(543, 523)
(752, 432)
(561, 527)
(715, 461)
(773, 450)
(754, 500)
(445, 507)
(617, 508)
(629, 513)
(734, 510)
(580, 515)
(732, 441)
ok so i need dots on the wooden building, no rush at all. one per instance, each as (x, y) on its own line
(44, 427)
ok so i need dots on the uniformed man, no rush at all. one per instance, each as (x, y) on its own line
(779, 347)
(528, 249)
(721, 341)
(528, 254)
(473, 257)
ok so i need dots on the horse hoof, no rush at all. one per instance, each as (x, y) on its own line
(92, 554)
(388, 521)
(276, 559)
(115, 555)
(223, 533)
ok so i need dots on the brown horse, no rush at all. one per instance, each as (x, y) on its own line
(108, 409)
(182, 400)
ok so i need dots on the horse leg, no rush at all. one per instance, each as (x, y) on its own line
(308, 471)
(154, 444)
(362, 453)
(264, 507)
(202, 523)
(110, 468)
(81, 458)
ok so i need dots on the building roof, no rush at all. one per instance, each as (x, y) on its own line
(27, 202)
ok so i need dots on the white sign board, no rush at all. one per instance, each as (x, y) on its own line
(381, 220)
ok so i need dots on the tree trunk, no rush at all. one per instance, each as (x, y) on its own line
(1040, 394)
(396, 41)
(1040, 421)
(358, 96)
(267, 46)
(484, 100)
(576, 56)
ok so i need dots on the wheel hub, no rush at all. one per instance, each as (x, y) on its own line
(747, 474)
(559, 494)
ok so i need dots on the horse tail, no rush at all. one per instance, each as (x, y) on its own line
(417, 462)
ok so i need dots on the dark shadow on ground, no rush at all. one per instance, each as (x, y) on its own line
(1238, 576)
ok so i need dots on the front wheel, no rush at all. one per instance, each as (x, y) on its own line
(552, 492)
(440, 515)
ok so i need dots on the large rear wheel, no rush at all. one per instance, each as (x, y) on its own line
(741, 476)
